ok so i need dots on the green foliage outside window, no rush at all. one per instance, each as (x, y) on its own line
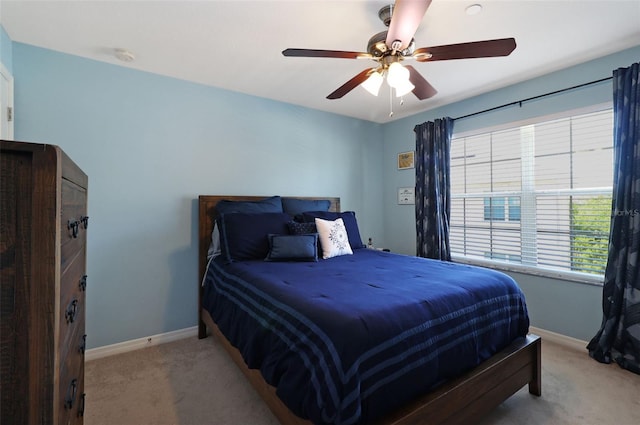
(590, 221)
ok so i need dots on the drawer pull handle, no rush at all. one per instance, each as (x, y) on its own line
(83, 283)
(71, 394)
(81, 407)
(83, 344)
(71, 312)
(85, 221)
(74, 226)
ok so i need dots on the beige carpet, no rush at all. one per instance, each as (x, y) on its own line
(194, 382)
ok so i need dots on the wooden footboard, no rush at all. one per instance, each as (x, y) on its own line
(461, 401)
(476, 393)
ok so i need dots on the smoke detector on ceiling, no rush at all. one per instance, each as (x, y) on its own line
(473, 9)
(124, 55)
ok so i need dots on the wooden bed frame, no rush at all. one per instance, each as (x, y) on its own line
(460, 401)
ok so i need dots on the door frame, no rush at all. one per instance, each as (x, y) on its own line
(6, 75)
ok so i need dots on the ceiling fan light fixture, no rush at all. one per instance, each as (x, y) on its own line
(405, 88)
(389, 48)
(373, 83)
(397, 75)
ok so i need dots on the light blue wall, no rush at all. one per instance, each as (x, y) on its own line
(564, 307)
(6, 50)
(150, 145)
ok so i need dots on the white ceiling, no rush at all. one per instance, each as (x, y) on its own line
(237, 45)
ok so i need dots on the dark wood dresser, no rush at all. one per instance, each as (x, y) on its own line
(43, 225)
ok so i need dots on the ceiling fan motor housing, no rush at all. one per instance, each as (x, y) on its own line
(377, 46)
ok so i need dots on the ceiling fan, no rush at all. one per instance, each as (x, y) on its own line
(389, 48)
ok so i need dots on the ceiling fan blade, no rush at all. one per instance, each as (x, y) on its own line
(350, 85)
(315, 53)
(423, 89)
(405, 19)
(474, 49)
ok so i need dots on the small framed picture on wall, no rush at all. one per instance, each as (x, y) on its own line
(406, 160)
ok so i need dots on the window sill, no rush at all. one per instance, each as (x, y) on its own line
(534, 271)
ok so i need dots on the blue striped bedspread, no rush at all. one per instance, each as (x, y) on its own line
(348, 339)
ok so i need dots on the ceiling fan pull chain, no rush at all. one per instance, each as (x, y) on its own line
(390, 101)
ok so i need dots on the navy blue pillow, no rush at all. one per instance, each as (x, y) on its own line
(267, 205)
(293, 247)
(349, 219)
(296, 228)
(293, 206)
(225, 206)
(244, 236)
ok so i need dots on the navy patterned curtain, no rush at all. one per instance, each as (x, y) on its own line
(619, 336)
(433, 191)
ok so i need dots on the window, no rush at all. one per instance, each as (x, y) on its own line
(494, 209)
(537, 195)
(502, 208)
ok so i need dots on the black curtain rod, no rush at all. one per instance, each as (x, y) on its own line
(519, 102)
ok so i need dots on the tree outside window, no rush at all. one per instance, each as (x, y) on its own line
(590, 221)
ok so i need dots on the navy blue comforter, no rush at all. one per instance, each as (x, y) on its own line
(348, 339)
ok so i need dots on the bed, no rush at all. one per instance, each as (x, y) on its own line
(340, 381)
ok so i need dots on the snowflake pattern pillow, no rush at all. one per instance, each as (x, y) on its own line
(333, 238)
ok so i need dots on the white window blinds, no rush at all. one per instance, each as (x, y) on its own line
(537, 195)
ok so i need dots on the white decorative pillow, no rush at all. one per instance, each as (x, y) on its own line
(333, 238)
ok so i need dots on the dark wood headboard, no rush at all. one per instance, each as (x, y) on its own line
(206, 219)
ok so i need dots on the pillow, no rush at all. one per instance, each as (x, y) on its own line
(296, 228)
(244, 236)
(267, 205)
(293, 206)
(214, 246)
(349, 219)
(334, 240)
(225, 206)
(293, 247)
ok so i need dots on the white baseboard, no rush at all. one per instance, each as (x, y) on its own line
(136, 344)
(567, 341)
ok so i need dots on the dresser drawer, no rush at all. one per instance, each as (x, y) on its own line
(74, 341)
(71, 372)
(72, 301)
(71, 279)
(71, 363)
(73, 221)
(72, 396)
